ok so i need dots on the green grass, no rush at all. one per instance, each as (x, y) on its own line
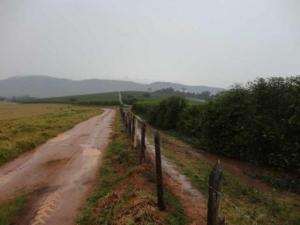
(125, 193)
(241, 204)
(10, 210)
(275, 177)
(110, 98)
(23, 127)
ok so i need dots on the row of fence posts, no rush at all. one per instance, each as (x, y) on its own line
(130, 121)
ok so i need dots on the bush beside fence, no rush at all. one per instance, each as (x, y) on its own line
(258, 123)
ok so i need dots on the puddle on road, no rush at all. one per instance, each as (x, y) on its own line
(91, 152)
(60, 137)
(55, 162)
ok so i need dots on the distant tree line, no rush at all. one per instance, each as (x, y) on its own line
(205, 95)
(131, 99)
(258, 122)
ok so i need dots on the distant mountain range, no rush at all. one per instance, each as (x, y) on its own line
(45, 86)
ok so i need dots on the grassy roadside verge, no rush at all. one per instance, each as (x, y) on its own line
(23, 133)
(241, 204)
(274, 177)
(125, 192)
(10, 209)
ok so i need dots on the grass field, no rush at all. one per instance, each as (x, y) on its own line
(111, 98)
(125, 193)
(24, 126)
(14, 111)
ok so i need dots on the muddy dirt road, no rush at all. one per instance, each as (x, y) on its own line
(60, 172)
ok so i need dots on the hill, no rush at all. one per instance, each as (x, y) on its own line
(45, 86)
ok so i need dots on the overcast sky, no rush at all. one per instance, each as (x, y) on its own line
(211, 42)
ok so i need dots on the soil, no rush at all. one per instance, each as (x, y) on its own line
(59, 174)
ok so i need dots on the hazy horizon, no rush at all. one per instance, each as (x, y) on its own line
(142, 81)
(214, 43)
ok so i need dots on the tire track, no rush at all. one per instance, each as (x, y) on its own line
(48, 206)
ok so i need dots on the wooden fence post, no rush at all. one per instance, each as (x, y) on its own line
(133, 130)
(122, 115)
(129, 124)
(143, 142)
(214, 197)
(125, 121)
(158, 169)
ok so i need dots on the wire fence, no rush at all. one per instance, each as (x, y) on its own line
(137, 128)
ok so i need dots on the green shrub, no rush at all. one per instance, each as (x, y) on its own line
(258, 123)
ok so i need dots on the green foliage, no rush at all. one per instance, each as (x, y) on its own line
(165, 114)
(129, 99)
(259, 123)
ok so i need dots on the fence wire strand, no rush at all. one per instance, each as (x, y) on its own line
(225, 197)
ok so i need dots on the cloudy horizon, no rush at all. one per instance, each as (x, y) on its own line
(215, 43)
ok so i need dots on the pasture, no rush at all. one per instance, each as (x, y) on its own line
(112, 98)
(25, 126)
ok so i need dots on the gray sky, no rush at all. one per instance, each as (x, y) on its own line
(211, 42)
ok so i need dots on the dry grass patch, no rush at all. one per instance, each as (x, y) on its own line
(23, 127)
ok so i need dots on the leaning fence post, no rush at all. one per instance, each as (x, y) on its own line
(143, 142)
(159, 180)
(214, 197)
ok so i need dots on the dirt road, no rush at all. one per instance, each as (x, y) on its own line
(60, 172)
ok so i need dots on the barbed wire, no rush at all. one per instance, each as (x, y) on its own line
(225, 197)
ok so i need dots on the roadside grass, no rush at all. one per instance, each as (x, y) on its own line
(23, 127)
(275, 177)
(11, 209)
(240, 203)
(125, 192)
(278, 179)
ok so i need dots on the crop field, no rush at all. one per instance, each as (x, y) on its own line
(14, 111)
(24, 126)
(110, 98)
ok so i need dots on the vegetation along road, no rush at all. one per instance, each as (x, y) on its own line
(58, 174)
